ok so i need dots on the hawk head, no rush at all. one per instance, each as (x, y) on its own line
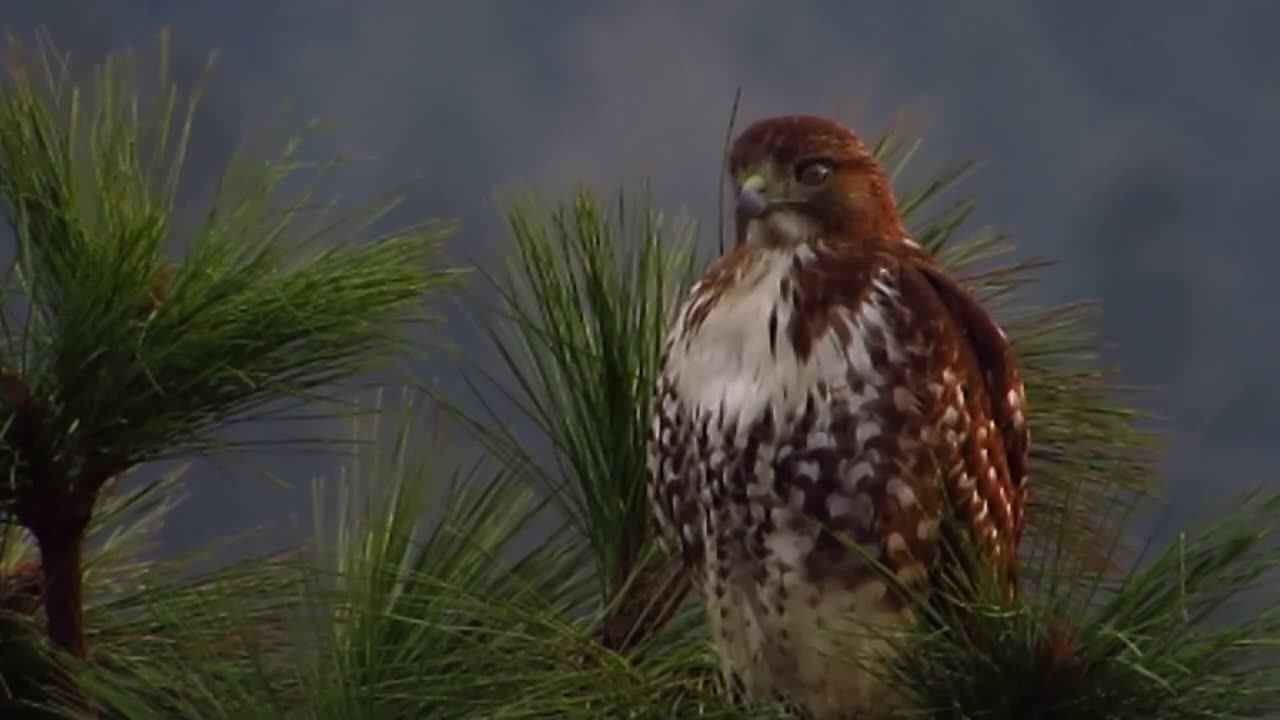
(799, 177)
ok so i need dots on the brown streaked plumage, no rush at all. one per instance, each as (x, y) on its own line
(826, 383)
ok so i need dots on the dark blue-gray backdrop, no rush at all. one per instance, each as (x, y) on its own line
(1134, 142)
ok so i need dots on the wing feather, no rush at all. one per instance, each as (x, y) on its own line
(1000, 373)
(985, 460)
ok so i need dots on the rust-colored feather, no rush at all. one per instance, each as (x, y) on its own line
(998, 372)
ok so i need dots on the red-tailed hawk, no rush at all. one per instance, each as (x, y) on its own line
(824, 384)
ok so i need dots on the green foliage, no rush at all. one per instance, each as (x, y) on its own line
(139, 355)
(142, 613)
(467, 618)
(388, 615)
(114, 353)
(443, 586)
(585, 301)
(1191, 634)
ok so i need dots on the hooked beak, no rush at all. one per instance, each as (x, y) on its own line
(752, 202)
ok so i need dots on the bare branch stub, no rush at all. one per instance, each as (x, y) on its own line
(21, 589)
(647, 604)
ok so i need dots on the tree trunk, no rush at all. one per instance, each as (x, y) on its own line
(61, 560)
(61, 563)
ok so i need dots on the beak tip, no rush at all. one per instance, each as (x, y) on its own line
(751, 204)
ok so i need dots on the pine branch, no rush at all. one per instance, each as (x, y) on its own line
(114, 354)
(585, 302)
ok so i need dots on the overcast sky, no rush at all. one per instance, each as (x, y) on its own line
(1133, 142)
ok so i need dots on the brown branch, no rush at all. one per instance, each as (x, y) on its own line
(647, 604)
(62, 564)
(58, 521)
(56, 506)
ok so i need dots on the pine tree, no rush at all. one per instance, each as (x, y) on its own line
(525, 582)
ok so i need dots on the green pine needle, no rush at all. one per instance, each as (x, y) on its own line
(585, 302)
(133, 353)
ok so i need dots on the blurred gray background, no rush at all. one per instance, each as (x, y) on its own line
(1135, 143)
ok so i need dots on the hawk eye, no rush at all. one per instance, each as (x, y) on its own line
(813, 172)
